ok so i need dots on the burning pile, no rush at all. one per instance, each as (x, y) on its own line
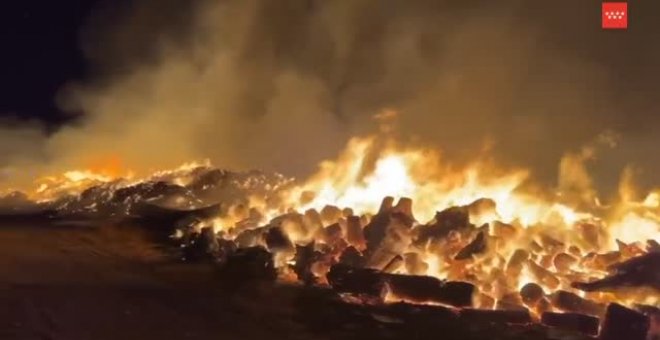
(474, 238)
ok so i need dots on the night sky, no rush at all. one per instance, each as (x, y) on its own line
(40, 53)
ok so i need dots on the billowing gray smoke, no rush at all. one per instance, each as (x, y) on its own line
(282, 84)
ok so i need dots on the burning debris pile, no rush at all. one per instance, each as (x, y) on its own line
(385, 258)
(85, 195)
(470, 244)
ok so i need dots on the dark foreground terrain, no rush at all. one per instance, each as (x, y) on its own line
(110, 282)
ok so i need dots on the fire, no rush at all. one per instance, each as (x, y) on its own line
(104, 171)
(367, 171)
(514, 235)
(69, 183)
(110, 166)
(573, 242)
(420, 175)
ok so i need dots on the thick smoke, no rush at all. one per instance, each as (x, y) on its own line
(281, 85)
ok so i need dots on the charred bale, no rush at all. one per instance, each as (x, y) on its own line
(304, 259)
(418, 315)
(276, 240)
(624, 323)
(250, 237)
(352, 257)
(386, 205)
(395, 263)
(422, 289)
(208, 180)
(475, 316)
(476, 246)
(248, 264)
(397, 238)
(585, 324)
(510, 301)
(375, 231)
(404, 209)
(140, 193)
(531, 293)
(202, 247)
(163, 219)
(654, 319)
(652, 246)
(346, 279)
(641, 271)
(571, 302)
(226, 249)
(332, 233)
(446, 221)
(413, 288)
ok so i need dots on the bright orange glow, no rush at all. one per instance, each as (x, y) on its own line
(549, 237)
(110, 166)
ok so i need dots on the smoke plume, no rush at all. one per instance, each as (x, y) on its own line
(281, 85)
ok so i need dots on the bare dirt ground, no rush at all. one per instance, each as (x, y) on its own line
(109, 282)
(114, 283)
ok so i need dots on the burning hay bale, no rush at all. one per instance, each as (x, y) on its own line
(543, 275)
(516, 262)
(354, 234)
(330, 214)
(372, 263)
(522, 266)
(563, 262)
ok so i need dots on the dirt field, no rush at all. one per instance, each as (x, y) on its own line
(113, 283)
(105, 282)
